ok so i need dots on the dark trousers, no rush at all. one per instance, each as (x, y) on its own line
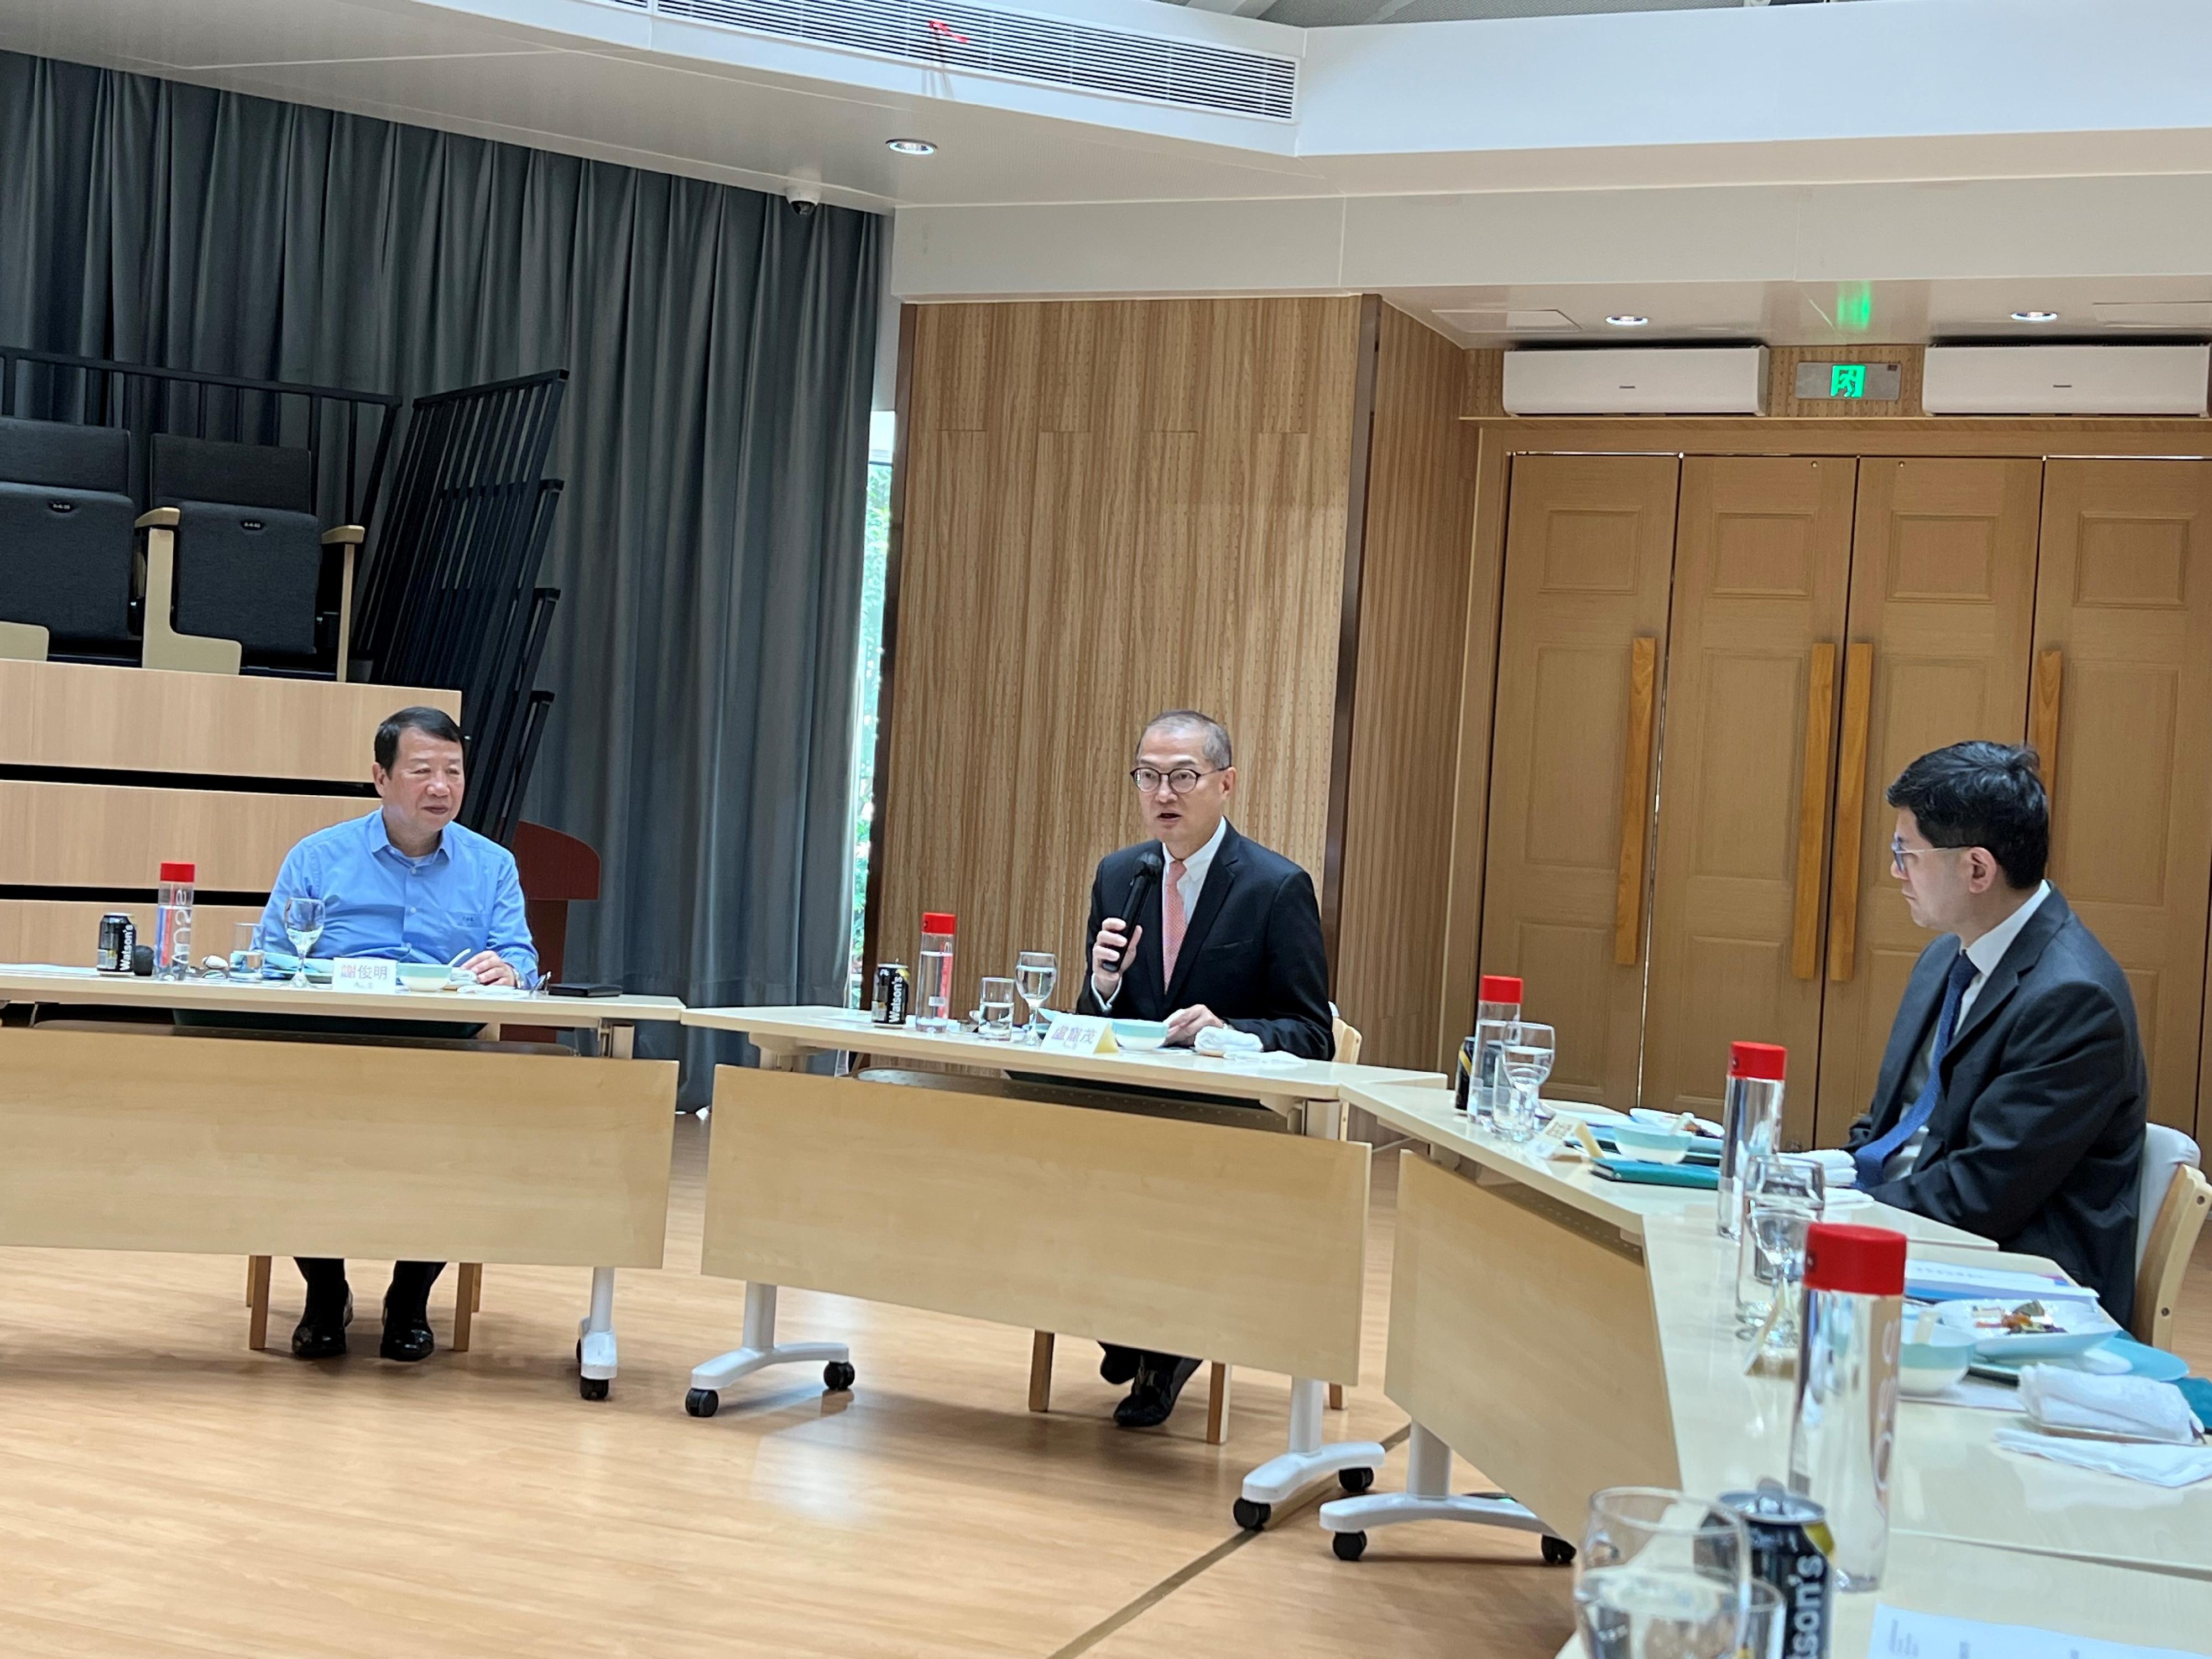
(411, 1284)
(1145, 1358)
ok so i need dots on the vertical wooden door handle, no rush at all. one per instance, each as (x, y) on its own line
(1850, 813)
(2043, 717)
(1635, 801)
(1812, 809)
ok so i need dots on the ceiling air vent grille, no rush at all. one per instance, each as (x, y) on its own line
(1050, 50)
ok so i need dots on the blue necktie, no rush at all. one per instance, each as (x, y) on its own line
(1869, 1158)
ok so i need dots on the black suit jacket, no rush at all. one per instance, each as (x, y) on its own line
(1252, 953)
(2037, 1138)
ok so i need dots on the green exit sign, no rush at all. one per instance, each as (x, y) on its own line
(1854, 383)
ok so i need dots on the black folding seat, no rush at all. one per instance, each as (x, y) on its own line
(249, 554)
(65, 541)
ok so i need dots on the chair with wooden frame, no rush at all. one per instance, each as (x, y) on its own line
(2168, 1232)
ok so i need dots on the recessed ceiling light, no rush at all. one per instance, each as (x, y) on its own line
(2035, 316)
(910, 146)
(1627, 321)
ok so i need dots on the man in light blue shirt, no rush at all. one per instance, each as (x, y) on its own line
(409, 883)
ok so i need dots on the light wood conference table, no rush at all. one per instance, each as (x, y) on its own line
(1568, 1333)
(1184, 1230)
(276, 1144)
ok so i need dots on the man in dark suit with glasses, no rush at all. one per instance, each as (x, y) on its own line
(1200, 926)
(2011, 1100)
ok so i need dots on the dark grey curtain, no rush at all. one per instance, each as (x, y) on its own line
(714, 443)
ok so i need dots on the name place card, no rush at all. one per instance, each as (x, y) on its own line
(379, 973)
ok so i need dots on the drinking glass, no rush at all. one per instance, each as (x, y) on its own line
(998, 1011)
(1661, 1576)
(1526, 1061)
(1782, 1196)
(1764, 1622)
(303, 925)
(245, 949)
(1036, 972)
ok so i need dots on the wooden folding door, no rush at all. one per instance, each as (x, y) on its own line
(1942, 602)
(1590, 545)
(1761, 568)
(2122, 715)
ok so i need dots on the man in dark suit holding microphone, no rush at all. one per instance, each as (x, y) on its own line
(1200, 927)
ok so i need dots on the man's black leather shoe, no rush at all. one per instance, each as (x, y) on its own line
(407, 1336)
(320, 1336)
(1120, 1365)
(1154, 1399)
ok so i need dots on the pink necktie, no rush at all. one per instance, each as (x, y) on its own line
(1171, 915)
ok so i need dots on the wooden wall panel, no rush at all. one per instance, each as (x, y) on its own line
(1588, 573)
(2124, 594)
(1110, 508)
(1413, 611)
(140, 720)
(1762, 571)
(78, 835)
(65, 932)
(1943, 597)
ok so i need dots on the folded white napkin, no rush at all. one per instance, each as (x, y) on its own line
(1836, 1167)
(2156, 1465)
(2061, 1398)
(1227, 1039)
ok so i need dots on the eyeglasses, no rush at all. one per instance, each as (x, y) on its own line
(1180, 781)
(1899, 852)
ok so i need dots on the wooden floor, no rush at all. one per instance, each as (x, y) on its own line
(168, 1493)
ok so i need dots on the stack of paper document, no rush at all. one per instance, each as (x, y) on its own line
(1948, 1281)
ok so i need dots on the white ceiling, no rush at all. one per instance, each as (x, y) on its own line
(1523, 176)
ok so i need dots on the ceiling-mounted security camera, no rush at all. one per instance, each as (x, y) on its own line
(803, 197)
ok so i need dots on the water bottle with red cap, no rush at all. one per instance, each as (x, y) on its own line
(1495, 1016)
(933, 978)
(173, 922)
(1845, 1425)
(1751, 1121)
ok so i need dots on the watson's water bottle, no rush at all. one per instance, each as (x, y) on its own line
(1751, 1121)
(1846, 1421)
(173, 923)
(933, 977)
(1497, 1011)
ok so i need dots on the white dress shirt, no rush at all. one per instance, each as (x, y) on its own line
(1194, 878)
(1984, 953)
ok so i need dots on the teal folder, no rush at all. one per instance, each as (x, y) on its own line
(1659, 1174)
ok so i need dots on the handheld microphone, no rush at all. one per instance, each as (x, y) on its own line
(1147, 876)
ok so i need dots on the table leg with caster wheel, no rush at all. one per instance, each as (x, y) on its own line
(761, 1350)
(1353, 1462)
(1309, 1458)
(1428, 1496)
(595, 1339)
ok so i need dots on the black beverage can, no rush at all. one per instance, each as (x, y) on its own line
(118, 938)
(1789, 1534)
(1464, 1073)
(894, 992)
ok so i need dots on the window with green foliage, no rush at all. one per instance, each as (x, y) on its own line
(864, 710)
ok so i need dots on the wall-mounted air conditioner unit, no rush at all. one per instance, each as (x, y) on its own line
(2068, 379)
(1690, 380)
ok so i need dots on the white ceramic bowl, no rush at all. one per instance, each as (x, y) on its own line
(424, 975)
(1930, 1367)
(1650, 1145)
(1140, 1036)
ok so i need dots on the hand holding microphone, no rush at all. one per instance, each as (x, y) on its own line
(1107, 953)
